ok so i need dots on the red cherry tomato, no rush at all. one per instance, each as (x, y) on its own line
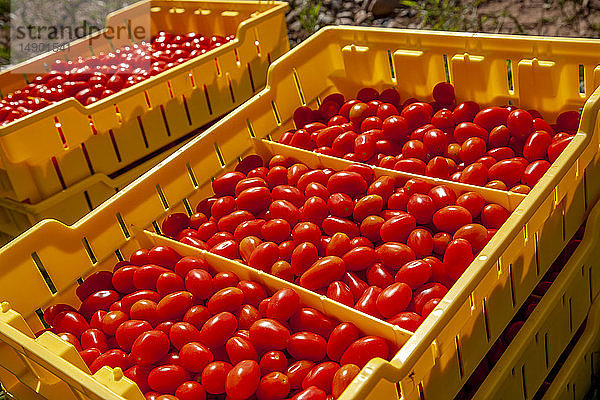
(150, 347)
(364, 349)
(214, 376)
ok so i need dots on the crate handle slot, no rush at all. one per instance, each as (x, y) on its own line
(391, 65)
(61, 134)
(188, 207)
(275, 113)
(40, 315)
(298, 86)
(210, 111)
(581, 80)
(143, 131)
(446, 68)
(114, 143)
(45, 275)
(486, 320)
(123, 226)
(230, 87)
(164, 117)
(459, 356)
(523, 381)
(192, 175)
(187, 110)
(156, 228)
(58, 172)
(119, 255)
(251, 78)
(250, 128)
(162, 197)
(219, 155)
(509, 76)
(89, 251)
(88, 200)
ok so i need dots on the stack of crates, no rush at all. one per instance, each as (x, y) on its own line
(66, 159)
(437, 359)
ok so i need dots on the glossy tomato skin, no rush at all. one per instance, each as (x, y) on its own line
(128, 332)
(364, 349)
(407, 320)
(182, 333)
(194, 356)
(393, 299)
(214, 376)
(342, 378)
(451, 218)
(242, 380)
(218, 329)
(340, 339)
(321, 376)
(190, 390)
(273, 386)
(340, 292)
(273, 361)
(269, 334)
(112, 358)
(393, 255)
(322, 273)
(307, 346)
(458, 257)
(297, 371)
(309, 319)
(150, 347)
(283, 304)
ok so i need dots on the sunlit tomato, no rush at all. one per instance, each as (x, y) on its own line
(174, 305)
(414, 273)
(149, 347)
(520, 123)
(474, 174)
(457, 258)
(190, 390)
(323, 272)
(128, 332)
(309, 319)
(491, 117)
(407, 320)
(507, 171)
(475, 234)
(340, 292)
(393, 254)
(421, 207)
(112, 358)
(182, 333)
(395, 128)
(416, 115)
(321, 376)
(70, 322)
(307, 346)
(359, 258)
(493, 216)
(393, 299)
(214, 376)
(398, 228)
(342, 378)
(194, 356)
(534, 172)
(273, 361)
(364, 349)
(466, 130)
(218, 329)
(297, 371)
(240, 349)
(451, 218)
(269, 334)
(432, 290)
(283, 304)
(303, 257)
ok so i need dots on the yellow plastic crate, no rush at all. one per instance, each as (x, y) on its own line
(442, 353)
(574, 378)
(46, 367)
(150, 114)
(546, 333)
(74, 202)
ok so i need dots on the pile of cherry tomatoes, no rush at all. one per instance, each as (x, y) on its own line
(504, 148)
(91, 79)
(388, 248)
(181, 330)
